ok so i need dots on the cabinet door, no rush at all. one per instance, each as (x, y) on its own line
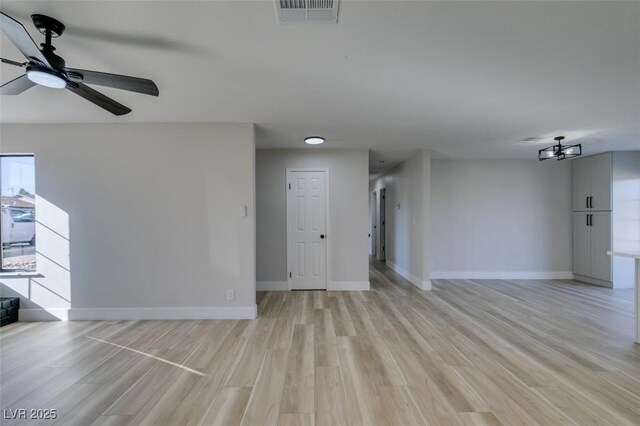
(600, 244)
(581, 244)
(581, 183)
(601, 182)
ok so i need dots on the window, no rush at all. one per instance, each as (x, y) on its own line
(18, 204)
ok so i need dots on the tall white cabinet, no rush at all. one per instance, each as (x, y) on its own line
(592, 183)
(606, 216)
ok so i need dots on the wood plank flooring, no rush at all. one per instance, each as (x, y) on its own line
(469, 352)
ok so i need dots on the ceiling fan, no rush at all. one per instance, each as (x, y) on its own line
(45, 68)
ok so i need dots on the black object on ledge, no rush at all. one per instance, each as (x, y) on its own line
(9, 312)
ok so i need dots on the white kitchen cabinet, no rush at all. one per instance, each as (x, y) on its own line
(591, 242)
(581, 244)
(601, 182)
(600, 225)
(581, 184)
(592, 179)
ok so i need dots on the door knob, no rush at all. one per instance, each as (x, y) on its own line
(322, 236)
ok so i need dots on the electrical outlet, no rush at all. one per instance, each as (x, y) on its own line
(231, 294)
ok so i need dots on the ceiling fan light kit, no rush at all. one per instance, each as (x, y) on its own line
(559, 151)
(46, 78)
(45, 68)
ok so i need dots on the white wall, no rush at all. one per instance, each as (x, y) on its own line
(348, 211)
(501, 219)
(626, 215)
(135, 216)
(407, 217)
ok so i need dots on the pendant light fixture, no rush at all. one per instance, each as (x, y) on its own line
(559, 151)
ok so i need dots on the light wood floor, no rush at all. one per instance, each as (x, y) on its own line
(469, 352)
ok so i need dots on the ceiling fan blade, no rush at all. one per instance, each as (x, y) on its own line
(98, 98)
(123, 82)
(10, 62)
(17, 33)
(16, 86)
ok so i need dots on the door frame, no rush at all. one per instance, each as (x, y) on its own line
(289, 215)
(381, 218)
(373, 217)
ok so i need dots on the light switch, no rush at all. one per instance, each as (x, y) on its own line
(243, 210)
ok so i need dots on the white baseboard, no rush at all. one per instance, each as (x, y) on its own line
(332, 285)
(272, 286)
(115, 314)
(421, 284)
(593, 281)
(348, 286)
(499, 275)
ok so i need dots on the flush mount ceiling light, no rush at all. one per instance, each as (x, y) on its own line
(314, 140)
(46, 78)
(559, 151)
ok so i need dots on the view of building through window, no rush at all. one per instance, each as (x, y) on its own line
(18, 228)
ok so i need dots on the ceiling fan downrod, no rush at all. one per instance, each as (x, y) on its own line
(51, 28)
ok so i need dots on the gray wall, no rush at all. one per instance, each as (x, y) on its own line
(348, 210)
(140, 216)
(500, 217)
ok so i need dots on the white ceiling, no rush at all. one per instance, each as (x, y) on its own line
(466, 79)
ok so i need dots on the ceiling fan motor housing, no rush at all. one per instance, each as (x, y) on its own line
(55, 61)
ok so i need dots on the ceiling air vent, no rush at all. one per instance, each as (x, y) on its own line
(307, 10)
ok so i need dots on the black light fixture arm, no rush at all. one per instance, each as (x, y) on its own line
(559, 146)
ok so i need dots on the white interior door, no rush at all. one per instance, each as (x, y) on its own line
(307, 224)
